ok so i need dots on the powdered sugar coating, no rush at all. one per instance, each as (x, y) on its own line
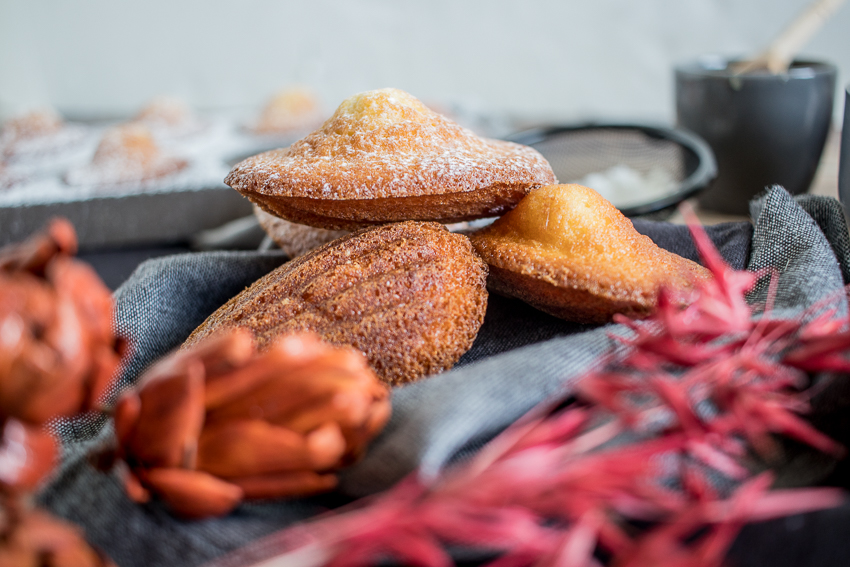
(292, 110)
(36, 135)
(35, 124)
(383, 144)
(7, 178)
(126, 154)
(167, 117)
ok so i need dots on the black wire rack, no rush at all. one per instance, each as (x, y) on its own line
(575, 151)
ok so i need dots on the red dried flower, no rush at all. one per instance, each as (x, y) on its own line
(699, 387)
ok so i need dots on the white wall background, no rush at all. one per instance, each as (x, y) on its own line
(564, 59)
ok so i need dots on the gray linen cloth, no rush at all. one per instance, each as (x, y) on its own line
(520, 358)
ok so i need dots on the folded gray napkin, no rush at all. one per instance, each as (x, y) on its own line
(520, 358)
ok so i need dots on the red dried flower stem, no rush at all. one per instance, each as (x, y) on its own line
(697, 387)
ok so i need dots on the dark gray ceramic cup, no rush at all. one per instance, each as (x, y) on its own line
(844, 160)
(764, 129)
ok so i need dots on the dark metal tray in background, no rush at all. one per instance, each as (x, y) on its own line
(575, 151)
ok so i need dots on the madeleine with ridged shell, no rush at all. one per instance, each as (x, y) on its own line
(293, 238)
(385, 157)
(411, 296)
(569, 252)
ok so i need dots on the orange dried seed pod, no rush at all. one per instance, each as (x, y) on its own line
(348, 408)
(378, 418)
(286, 361)
(193, 494)
(326, 446)
(27, 455)
(224, 353)
(301, 347)
(59, 352)
(329, 391)
(252, 447)
(286, 484)
(81, 284)
(43, 531)
(171, 417)
(126, 414)
(75, 556)
(132, 485)
(359, 437)
(52, 400)
(33, 254)
(105, 363)
(39, 539)
(64, 236)
(17, 555)
(350, 405)
(291, 390)
(241, 381)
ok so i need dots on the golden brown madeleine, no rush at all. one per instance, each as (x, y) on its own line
(384, 157)
(569, 252)
(293, 238)
(411, 296)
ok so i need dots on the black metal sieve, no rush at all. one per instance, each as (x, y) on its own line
(576, 151)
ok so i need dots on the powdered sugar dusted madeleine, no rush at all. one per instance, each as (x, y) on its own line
(291, 110)
(411, 296)
(383, 157)
(126, 154)
(569, 252)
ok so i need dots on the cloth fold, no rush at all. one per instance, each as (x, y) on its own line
(520, 358)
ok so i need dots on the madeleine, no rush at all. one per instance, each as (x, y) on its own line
(385, 157)
(410, 296)
(567, 251)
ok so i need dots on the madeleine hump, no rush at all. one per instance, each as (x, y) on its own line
(410, 296)
(570, 253)
(385, 157)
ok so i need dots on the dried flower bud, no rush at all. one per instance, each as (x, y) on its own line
(57, 349)
(33, 537)
(27, 455)
(218, 422)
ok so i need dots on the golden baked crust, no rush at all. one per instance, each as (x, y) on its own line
(411, 296)
(383, 157)
(293, 238)
(569, 252)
